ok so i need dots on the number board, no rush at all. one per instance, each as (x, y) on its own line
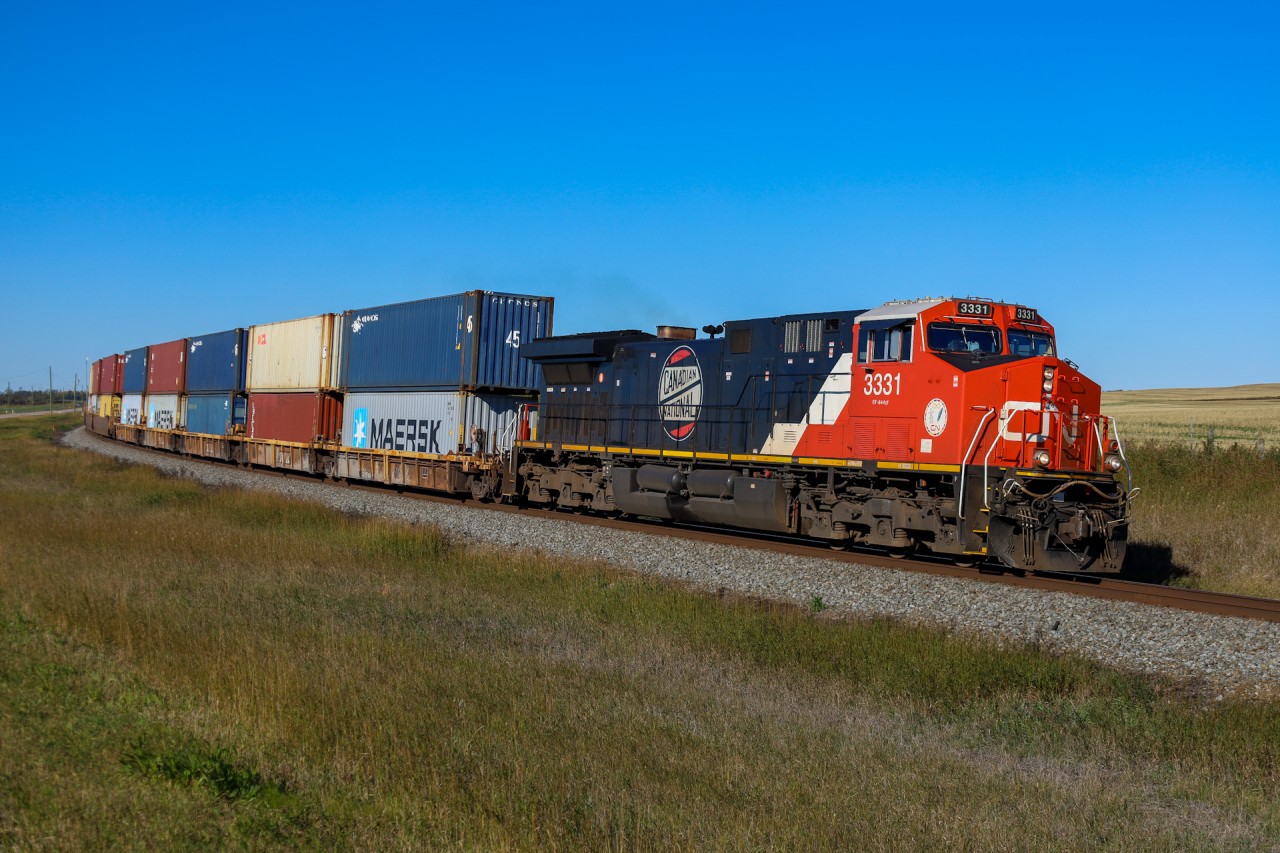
(974, 309)
(1025, 315)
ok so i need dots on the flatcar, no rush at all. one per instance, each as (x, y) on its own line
(944, 423)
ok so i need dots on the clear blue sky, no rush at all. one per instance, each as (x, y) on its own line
(177, 168)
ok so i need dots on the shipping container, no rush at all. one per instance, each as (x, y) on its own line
(95, 382)
(109, 375)
(431, 421)
(293, 355)
(131, 410)
(299, 417)
(214, 414)
(467, 341)
(109, 406)
(163, 411)
(135, 371)
(216, 362)
(167, 367)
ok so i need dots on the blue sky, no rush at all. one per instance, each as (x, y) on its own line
(176, 169)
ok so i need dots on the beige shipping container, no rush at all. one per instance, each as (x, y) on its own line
(293, 355)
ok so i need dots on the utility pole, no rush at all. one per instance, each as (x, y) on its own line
(51, 390)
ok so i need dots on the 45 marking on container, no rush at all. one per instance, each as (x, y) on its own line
(513, 339)
(882, 385)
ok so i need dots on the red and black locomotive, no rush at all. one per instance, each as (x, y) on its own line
(949, 424)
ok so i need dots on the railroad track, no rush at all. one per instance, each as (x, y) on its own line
(1095, 586)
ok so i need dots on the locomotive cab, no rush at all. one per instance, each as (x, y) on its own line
(980, 383)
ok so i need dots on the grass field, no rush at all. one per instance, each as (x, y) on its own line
(1242, 415)
(1207, 513)
(182, 667)
(37, 408)
(1207, 520)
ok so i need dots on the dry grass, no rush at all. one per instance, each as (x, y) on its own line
(188, 668)
(1207, 519)
(1207, 515)
(1243, 414)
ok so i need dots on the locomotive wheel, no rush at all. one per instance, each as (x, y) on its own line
(966, 562)
(901, 552)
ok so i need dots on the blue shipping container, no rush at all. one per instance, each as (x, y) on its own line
(216, 362)
(214, 414)
(467, 341)
(135, 371)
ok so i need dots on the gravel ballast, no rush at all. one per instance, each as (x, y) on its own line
(1220, 655)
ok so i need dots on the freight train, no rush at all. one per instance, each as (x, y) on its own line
(945, 424)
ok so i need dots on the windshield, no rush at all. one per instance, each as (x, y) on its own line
(949, 337)
(1030, 343)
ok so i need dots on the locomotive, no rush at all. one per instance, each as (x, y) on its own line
(945, 424)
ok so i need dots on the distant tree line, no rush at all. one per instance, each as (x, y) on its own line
(40, 397)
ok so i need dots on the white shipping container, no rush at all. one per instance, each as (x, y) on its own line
(131, 409)
(163, 411)
(293, 355)
(430, 421)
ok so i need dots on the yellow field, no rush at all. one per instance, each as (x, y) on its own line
(1241, 414)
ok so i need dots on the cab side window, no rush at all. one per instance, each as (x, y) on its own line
(891, 344)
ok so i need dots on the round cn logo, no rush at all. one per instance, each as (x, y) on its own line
(935, 417)
(680, 393)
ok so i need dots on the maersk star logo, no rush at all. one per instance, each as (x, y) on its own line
(360, 428)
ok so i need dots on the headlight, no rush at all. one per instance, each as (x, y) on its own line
(1113, 463)
(1041, 458)
(1047, 386)
(1048, 373)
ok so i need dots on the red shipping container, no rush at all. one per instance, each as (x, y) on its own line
(298, 417)
(167, 367)
(95, 370)
(108, 377)
(117, 380)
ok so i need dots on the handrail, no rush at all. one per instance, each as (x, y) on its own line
(964, 463)
(986, 464)
(506, 438)
(1128, 472)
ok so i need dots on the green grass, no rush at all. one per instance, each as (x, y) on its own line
(38, 408)
(183, 667)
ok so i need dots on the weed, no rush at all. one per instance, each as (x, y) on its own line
(191, 764)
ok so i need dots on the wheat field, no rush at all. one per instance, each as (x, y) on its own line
(1237, 415)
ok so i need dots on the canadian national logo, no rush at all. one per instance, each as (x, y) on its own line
(680, 393)
(935, 417)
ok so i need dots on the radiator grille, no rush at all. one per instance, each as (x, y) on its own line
(864, 439)
(897, 440)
